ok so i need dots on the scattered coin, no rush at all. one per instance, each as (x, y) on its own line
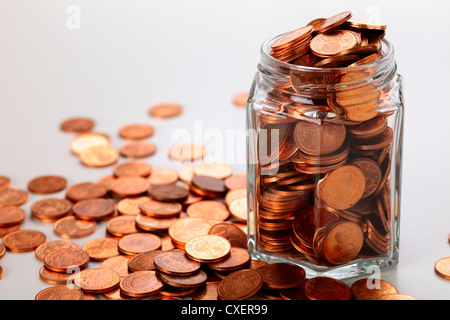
(136, 243)
(187, 152)
(99, 156)
(84, 141)
(71, 227)
(23, 240)
(169, 193)
(5, 183)
(143, 261)
(208, 248)
(208, 210)
(97, 280)
(324, 288)
(129, 186)
(158, 209)
(121, 226)
(176, 263)
(47, 184)
(161, 176)
(281, 275)
(130, 205)
(362, 290)
(63, 259)
(191, 281)
(136, 131)
(136, 149)
(13, 197)
(118, 264)
(207, 292)
(11, 215)
(77, 125)
(86, 190)
(442, 268)
(240, 99)
(94, 209)
(51, 209)
(132, 169)
(101, 249)
(231, 232)
(141, 284)
(162, 110)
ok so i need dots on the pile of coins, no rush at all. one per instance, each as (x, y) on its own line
(329, 174)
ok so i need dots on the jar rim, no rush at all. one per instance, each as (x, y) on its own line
(387, 48)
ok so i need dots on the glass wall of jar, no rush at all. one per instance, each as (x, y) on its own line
(324, 164)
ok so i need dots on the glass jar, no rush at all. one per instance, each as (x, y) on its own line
(324, 165)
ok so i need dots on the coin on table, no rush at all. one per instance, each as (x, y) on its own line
(136, 131)
(84, 141)
(97, 280)
(94, 209)
(5, 183)
(207, 186)
(2, 250)
(215, 170)
(187, 228)
(61, 260)
(208, 210)
(47, 184)
(343, 187)
(141, 284)
(235, 235)
(118, 264)
(325, 288)
(168, 193)
(208, 248)
(71, 227)
(237, 181)
(102, 248)
(11, 215)
(59, 293)
(371, 289)
(397, 296)
(239, 209)
(187, 152)
(281, 275)
(235, 194)
(132, 169)
(207, 292)
(116, 294)
(5, 230)
(240, 285)
(129, 186)
(53, 277)
(50, 246)
(136, 149)
(442, 268)
(86, 190)
(136, 243)
(143, 261)
(186, 173)
(99, 156)
(130, 206)
(23, 240)
(332, 22)
(158, 209)
(121, 226)
(13, 197)
(191, 281)
(237, 259)
(176, 263)
(365, 24)
(240, 99)
(163, 176)
(51, 209)
(294, 293)
(165, 109)
(77, 125)
(152, 224)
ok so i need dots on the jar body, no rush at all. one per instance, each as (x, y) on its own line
(324, 167)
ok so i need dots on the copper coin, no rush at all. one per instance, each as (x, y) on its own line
(324, 288)
(47, 184)
(99, 156)
(207, 292)
(154, 224)
(281, 275)
(208, 186)
(94, 209)
(190, 281)
(167, 297)
(11, 215)
(342, 242)
(333, 22)
(102, 248)
(239, 209)
(130, 206)
(238, 258)
(132, 169)
(116, 294)
(118, 264)
(51, 209)
(5, 183)
(121, 226)
(333, 42)
(292, 37)
(84, 141)
(60, 260)
(187, 228)
(87, 190)
(215, 170)
(208, 210)
(397, 296)
(165, 109)
(77, 125)
(237, 181)
(442, 268)
(137, 149)
(186, 173)
(362, 290)
(141, 284)
(240, 99)
(240, 285)
(97, 280)
(371, 171)
(50, 246)
(337, 61)
(143, 261)
(208, 248)
(176, 263)
(59, 293)
(129, 186)
(71, 227)
(5, 230)
(235, 194)
(367, 60)
(160, 209)
(163, 176)
(168, 193)
(364, 24)
(294, 293)
(13, 197)
(23, 240)
(53, 277)
(319, 139)
(232, 233)
(343, 187)
(1, 272)
(106, 181)
(2, 250)
(187, 152)
(136, 243)
(136, 131)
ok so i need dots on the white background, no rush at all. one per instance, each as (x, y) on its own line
(129, 54)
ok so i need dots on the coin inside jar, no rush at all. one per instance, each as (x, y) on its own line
(94, 209)
(208, 248)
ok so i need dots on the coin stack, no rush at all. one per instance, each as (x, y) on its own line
(329, 174)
